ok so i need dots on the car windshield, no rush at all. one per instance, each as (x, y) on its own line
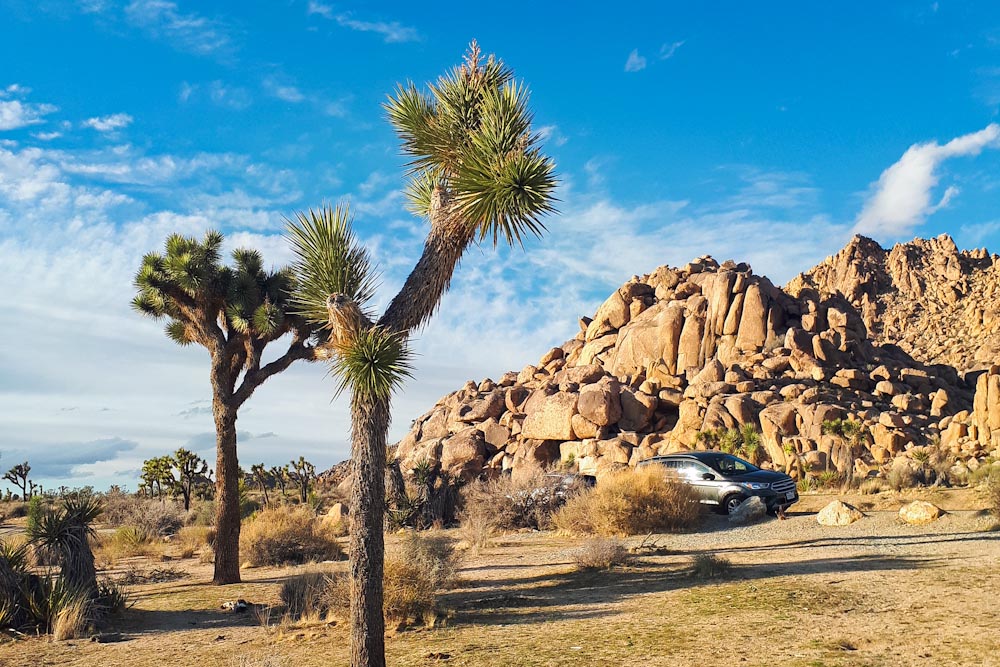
(728, 464)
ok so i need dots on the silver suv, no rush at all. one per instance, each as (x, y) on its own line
(725, 481)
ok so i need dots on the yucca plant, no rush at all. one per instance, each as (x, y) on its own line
(476, 173)
(234, 311)
(66, 531)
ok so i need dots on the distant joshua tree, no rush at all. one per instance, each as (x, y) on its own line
(262, 478)
(191, 469)
(18, 476)
(302, 473)
(476, 173)
(234, 312)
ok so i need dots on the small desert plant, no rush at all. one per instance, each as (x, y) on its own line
(710, 566)
(158, 518)
(993, 493)
(433, 554)
(305, 595)
(72, 618)
(872, 486)
(601, 553)
(287, 535)
(477, 525)
(902, 477)
(829, 479)
(636, 502)
(191, 539)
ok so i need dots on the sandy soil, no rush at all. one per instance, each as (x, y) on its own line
(877, 592)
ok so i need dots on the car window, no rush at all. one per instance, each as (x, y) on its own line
(730, 465)
(692, 469)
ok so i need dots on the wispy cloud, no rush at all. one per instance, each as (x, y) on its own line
(46, 136)
(185, 31)
(391, 31)
(550, 134)
(668, 50)
(902, 198)
(110, 123)
(218, 93)
(283, 91)
(635, 62)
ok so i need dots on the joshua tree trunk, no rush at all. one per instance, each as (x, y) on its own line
(227, 491)
(369, 431)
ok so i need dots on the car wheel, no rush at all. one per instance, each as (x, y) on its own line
(731, 502)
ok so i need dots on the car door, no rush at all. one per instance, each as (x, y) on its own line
(694, 474)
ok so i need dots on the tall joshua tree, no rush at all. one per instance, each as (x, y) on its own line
(234, 312)
(476, 173)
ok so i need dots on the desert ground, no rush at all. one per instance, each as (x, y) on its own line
(878, 592)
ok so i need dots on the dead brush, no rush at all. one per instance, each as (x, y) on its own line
(710, 566)
(637, 502)
(287, 536)
(601, 553)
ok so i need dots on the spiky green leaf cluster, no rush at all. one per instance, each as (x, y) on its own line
(247, 298)
(328, 260)
(470, 134)
(372, 365)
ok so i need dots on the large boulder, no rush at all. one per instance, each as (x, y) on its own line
(551, 418)
(464, 454)
(600, 403)
(838, 513)
(750, 510)
(919, 512)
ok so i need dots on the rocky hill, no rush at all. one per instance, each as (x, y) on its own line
(674, 359)
(932, 300)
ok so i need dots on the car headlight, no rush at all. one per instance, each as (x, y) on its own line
(755, 486)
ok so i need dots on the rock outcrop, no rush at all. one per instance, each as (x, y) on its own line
(926, 296)
(681, 353)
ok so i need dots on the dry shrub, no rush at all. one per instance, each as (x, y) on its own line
(305, 595)
(192, 539)
(129, 541)
(528, 500)
(72, 620)
(287, 536)
(409, 594)
(601, 554)
(433, 554)
(993, 492)
(415, 572)
(632, 502)
(871, 487)
(157, 518)
(902, 477)
(710, 566)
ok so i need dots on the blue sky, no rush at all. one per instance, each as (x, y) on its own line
(766, 132)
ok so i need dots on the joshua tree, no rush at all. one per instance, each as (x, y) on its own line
(234, 312)
(155, 473)
(476, 173)
(262, 477)
(302, 473)
(191, 469)
(18, 476)
(280, 475)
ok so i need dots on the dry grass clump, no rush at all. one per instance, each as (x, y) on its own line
(631, 502)
(433, 554)
(601, 554)
(414, 574)
(193, 539)
(993, 492)
(130, 541)
(710, 566)
(287, 536)
(72, 620)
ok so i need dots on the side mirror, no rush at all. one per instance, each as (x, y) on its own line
(708, 477)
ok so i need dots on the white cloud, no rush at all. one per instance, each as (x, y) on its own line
(391, 31)
(110, 123)
(15, 114)
(46, 136)
(188, 32)
(667, 51)
(283, 91)
(551, 134)
(635, 62)
(902, 198)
